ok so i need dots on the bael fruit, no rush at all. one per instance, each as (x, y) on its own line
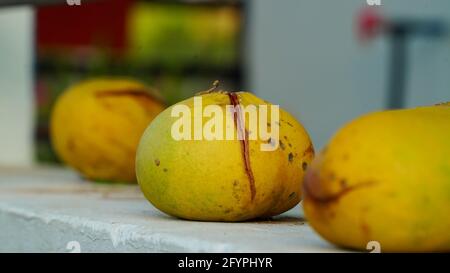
(96, 126)
(385, 177)
(223, 180)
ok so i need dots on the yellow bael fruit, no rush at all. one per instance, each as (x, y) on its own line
(385, 177)
(223, 180)
(96, 126)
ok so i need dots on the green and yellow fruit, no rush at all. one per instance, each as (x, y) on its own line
(385, 177)
(223, 180)
(96, 126)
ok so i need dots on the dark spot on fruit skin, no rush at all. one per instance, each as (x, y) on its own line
(227, 211)
(290, 157)
(292, 195)
(282, 145)
(304, 166)
(269, 141)
(157, 162)
(285, 137)
(165, 170)
(345, 157)
(290, 145)
(289, 124)
(236, 190)
(268, 124)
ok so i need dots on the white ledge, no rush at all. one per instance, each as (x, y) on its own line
(43, 209)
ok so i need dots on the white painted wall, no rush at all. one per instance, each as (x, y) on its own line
(16, 85)
(303, 55)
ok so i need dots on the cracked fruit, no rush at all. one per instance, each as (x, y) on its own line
(385, 177)
(223, 180)
(96, 126)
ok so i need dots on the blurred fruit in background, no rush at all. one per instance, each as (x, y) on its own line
(175, 46)
(96, 126)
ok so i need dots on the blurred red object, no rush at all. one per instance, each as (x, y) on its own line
(94, 23)
(370, 23)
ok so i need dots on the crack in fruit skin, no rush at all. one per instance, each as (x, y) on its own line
(245, 148)
(331, 198)
(133, 93)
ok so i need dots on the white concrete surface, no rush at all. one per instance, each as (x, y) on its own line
(44, 210)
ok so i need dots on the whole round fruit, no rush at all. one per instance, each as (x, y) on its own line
(385, 177)
(96, 126)
(222, 179)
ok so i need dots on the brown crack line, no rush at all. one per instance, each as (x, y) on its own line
(309, 193)
(309, 150)
(245, 148)
(134, 93)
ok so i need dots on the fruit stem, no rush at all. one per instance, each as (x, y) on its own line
(214, 87)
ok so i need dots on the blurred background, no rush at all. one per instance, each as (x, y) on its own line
(324, 61)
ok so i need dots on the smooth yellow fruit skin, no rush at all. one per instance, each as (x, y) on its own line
(206, 180)
(385, 177)
(96, 126)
